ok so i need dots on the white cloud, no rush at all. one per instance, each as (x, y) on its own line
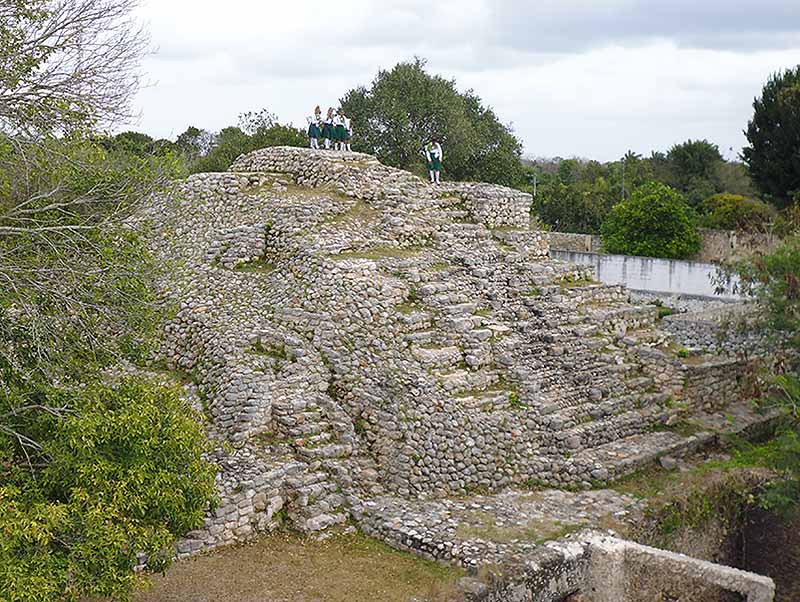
(575, 77)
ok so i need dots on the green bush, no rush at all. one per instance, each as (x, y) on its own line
(118, 473)
(734, 212)
(654, 222)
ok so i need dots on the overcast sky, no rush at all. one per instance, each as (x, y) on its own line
(590, 78)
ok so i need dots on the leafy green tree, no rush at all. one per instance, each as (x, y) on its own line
(654, 222)
(194, 143)
(693, 169)
(406, 107)
(228, 144)
(773, 133)
(579, 208)
(255, 130)
(134, 143)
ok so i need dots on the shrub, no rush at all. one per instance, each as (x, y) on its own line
(654, 222)
(118, 472)
(735, 212)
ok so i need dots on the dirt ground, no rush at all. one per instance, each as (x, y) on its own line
(772, 547)
(289, 568)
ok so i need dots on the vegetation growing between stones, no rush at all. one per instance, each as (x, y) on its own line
(774, 281)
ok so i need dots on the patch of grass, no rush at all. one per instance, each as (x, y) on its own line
(537, 530)
(260, 265)
(407, 308)
(268, 438)
(569, 281)
(663, 312)
(277, 352)
(514, 401)
(376, 253)
(287, 566)
(359, 212)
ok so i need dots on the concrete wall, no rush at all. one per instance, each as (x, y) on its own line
(623, 571)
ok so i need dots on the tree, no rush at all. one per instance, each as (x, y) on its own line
(773, 154)
(654, 222)
(693, 169)
(194, 143)
(89, 474)
(135, 143)
(255, 130)
(66, 64)
(406, 107)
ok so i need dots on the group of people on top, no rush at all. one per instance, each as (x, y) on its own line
(336, 131)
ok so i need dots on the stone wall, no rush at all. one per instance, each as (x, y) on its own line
(623, 571)
(728, 245)
(579, 243)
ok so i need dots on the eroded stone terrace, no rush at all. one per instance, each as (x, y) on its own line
(360, 339)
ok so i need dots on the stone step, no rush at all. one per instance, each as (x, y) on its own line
(438, 357)
(307, 430)
(606, 430)
(460, 381)
(422, 337)
(486, 401)
(417, 320)
(625, 456)
(575, 415)
(435, 287)
(332, 450)
(465, 308)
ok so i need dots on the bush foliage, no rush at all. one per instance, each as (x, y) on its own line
(774, 280)
(735, 212)
(118, 474)
(654, 222)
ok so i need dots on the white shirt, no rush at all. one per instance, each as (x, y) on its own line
(346, 124)
(434, 150)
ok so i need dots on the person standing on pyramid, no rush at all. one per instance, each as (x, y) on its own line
(348, 131)
(327, 128)
(339, 133)
(314, 122)
(434, 156)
